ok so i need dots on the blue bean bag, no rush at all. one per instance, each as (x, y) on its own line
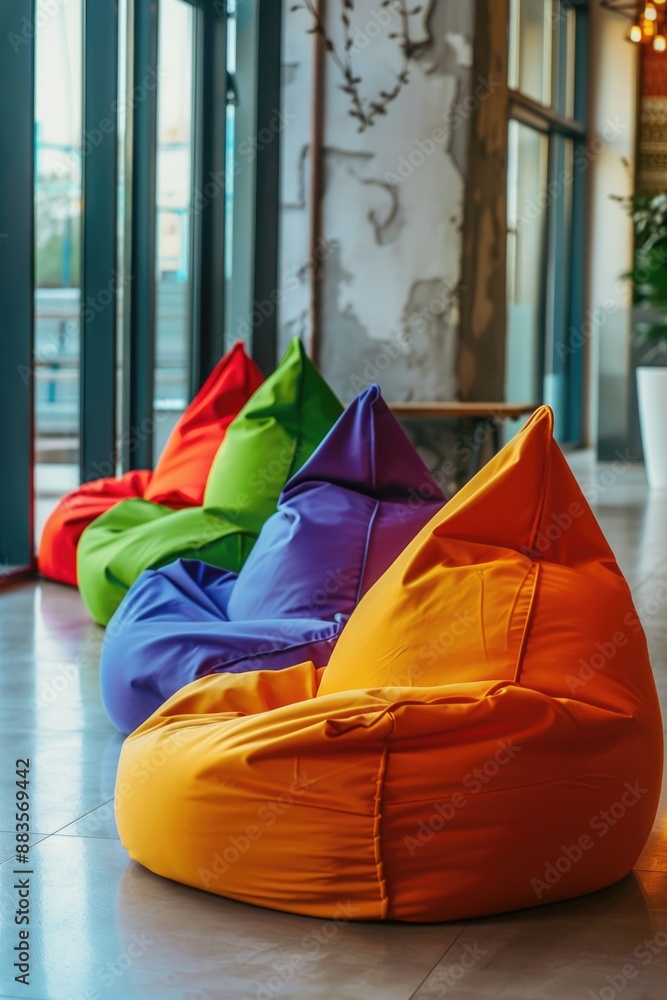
(341, 521)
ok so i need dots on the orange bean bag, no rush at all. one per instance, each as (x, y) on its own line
(485, 737)
(179, 478)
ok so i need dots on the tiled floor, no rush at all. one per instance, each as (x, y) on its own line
(103, 928)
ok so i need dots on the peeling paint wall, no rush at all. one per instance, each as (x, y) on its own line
(392, 206)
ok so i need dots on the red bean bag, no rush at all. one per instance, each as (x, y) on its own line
(179, 478)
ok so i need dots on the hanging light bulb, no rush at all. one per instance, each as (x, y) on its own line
(660, 3)
(660, 43)
(636, 34)
(649, 28)
(650, 13)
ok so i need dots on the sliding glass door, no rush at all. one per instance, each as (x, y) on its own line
(119, 288)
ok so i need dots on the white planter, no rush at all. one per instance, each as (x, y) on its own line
(652, 393)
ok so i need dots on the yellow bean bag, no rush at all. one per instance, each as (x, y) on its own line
(485, 737)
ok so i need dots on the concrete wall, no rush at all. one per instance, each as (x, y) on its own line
(392, 206)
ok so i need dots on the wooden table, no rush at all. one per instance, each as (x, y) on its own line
(480, 414)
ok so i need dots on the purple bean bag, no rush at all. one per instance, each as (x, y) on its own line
(341, 522)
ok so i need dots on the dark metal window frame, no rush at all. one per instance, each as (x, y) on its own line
(256, 200)
(255, 285)
(17, 283)
(140, 234)
(558, 319)
(98, 245)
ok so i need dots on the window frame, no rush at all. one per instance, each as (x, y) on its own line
(561, 359)
(255, 225)
(17, 284)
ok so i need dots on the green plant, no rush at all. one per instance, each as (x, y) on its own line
(649, 272)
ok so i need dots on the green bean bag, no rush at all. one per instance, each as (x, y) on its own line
(274, 434)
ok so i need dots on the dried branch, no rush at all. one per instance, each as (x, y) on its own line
(366, 110)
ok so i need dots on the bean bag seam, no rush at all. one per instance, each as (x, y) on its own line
(377, 825)
(498, 791)
(367, 546)
(269, 652)
(528, 622)
(544, 482)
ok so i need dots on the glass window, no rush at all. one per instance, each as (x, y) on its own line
(565, 82)
(169, 133)
(58, 101)
(530, 48)
(526, 244)
(173, 333)
(545, 217)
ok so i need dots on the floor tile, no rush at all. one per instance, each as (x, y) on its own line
(104, 928)
(98, 920)
(615, 940)
(70, 774)
(100, 822)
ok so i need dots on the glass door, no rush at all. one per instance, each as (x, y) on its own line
(58, 179)
(174, 216)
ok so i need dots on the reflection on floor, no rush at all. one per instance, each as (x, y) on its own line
(103, 928)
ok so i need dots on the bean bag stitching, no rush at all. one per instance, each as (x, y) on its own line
(529, 620)
(481, 615)
(544, 481)
(306, 642)
(367, 546)
(495, 687)
(377, 824)
(577, 776)
(533, 571)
